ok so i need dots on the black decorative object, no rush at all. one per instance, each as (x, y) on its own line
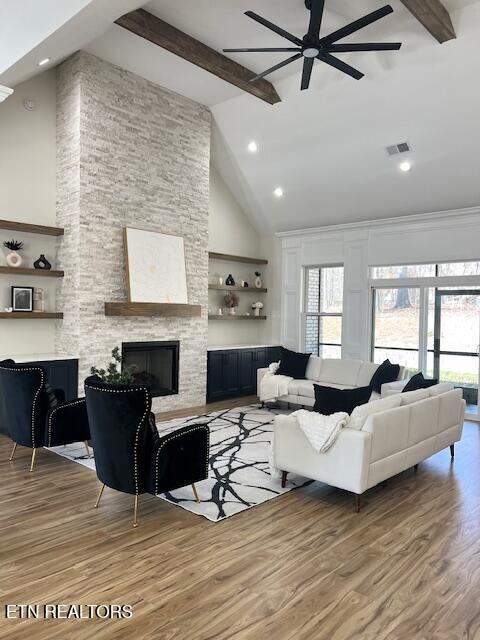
(22, 299)
(42, 263)
(329, 400)
(230, 282)
(13, 245)
(312, 46)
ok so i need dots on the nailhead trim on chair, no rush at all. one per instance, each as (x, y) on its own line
(137, 434)
(35, 398)
(179, 435)
(57, 408)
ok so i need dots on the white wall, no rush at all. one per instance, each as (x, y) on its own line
(437, 237)
(230, 231)
(27, 194)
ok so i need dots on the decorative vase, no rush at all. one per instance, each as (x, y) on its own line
(230, 282)
(256, 312)
(232, 311)
(42, 263)
(258, 282)
(38, 299)
(14, 259)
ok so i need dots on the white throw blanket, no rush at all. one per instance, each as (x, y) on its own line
(273, 386)
(321, 431)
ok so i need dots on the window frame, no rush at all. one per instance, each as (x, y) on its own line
(320, 314)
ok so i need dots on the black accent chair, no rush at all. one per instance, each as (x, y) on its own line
(130, 456)
(26, 413)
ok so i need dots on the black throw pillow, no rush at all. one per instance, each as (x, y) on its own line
(329, 400)
(418, 382)
(293, 364)
(386, 372)
(51, 397)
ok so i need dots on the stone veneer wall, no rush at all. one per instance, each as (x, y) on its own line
(129, 154)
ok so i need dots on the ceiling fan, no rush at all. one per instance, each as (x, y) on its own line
(312, 46)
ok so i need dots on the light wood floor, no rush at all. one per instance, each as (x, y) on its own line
(301, 567)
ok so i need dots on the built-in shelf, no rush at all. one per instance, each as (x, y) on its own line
(31, 228)
(43, 273)
(224, 287)
(235, 317)
(229, 258)
(30, 315)
(152, 309)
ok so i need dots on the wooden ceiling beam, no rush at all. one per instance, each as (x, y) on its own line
(146, 25)
(434, 17)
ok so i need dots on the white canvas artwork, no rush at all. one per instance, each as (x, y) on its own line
(155, 267)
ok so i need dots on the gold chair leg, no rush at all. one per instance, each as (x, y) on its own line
(135, 508)
(13, 452)
(33, 460)
(87, 449)
(99, 496)
(197, 499)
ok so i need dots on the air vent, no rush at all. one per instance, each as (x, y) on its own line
(395, 149)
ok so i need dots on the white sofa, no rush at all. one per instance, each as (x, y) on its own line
(382, 445)
(341, 374)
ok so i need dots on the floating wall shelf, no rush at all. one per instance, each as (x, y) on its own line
(151, 309)
(229, 258)
(30, 315)
(43, 273)
(236, 317)
(223, 287)
(31, 228)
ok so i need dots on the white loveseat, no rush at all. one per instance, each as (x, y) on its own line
(382, 444)
(341, 374)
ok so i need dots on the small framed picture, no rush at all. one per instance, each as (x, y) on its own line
(22, 299)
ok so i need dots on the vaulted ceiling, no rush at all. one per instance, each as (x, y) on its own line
(324, 147)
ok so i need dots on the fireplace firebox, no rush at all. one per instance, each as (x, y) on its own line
(156, 365)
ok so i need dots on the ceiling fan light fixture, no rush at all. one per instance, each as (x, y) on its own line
(310, 52)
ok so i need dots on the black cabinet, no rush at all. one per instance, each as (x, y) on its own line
(61, 374)
(233, 372)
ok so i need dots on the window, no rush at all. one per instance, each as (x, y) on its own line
(429, 320)
(397, 326)
(404, 271)
(323, 311)
(426, 270)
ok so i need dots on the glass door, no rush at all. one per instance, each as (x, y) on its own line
(456, 348)
(397, 326)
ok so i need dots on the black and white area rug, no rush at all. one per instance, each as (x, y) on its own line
(239, 475)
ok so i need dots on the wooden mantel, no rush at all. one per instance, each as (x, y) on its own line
(151, 309)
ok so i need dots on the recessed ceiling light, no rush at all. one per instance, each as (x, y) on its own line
(43, 62)
(405, 167)
(253, 147)
(278, 192)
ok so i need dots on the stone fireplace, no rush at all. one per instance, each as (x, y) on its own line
(155, 364)
(129, 153)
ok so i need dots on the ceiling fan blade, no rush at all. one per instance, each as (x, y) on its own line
(273, 27)
(307, 72)
(278, 50)
(277, 66)
(316, 16)
(340, 65)
(358, 24)
(368, 46)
